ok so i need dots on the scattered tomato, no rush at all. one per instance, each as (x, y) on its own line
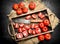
(41, 25)
(30, 31)
(34, 16)
(20, 30)
(19, 11)
(32, 25)
(21, 25)
(23, 29)
(33, 32)
(28, 17)
(41, 37)
(15, 6)
(19, 35)
(47, 36)
(32, 5)
(36, 26)
(27, 27)
(16, 25)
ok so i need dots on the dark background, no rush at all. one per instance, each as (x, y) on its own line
(6, 7)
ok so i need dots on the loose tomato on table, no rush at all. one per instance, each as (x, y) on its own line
(47, 36)
(15, 6)
(30, 31)
(41, 15)
(41, 25)
(19, 11)
(16, 25)
(19, 35)
(23, 29)
(46, 22)
(38, 30)
(32, 25)
(41, 37)
(32, 5)
(19, 29)
(27, 27)
(45, 29)
(34, 16)
(21, 25)
(21, 5)
(36, 26)
(25, 33)
(28, 17)
(33, 32)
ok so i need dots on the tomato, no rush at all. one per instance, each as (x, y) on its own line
(15, 6)
(23, 29)
(21, 5)
(47, 36)
(32, 5)
(30, 31)
(41, 15)
(25, 10)
(19, 11)
(38, 30)
(16, 25)
(25, 33)
(32, 25)
(45, 29)
(34, 16)
(46, 22)
(19, 35)
(27, 27)
(36, 26)
(41, 37)
(33, 32)
(41, 25)
(20, 30)
(28, 17)
(21, 25)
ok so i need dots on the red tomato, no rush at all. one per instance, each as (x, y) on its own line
(36, 26)
(32, 5)
(21, 25)
(47, 36)
(16, 25)
(33, 32)
(25, 33)
(30, 31)
(41, 25)
(41, 37)
(25, 10)
(46, 22)
(20, 30)
(27, 27)
(19, 35)
(32, 25)
(28, 17)
(23, 29)
(15, 6)
(41, 15)
(38, 30)
(21, 5)
(34, 16)
(19, 11)
(45, 29)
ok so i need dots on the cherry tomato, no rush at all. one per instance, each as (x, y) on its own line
(16, 25)
(28, 17)
(32, 5)
(19, 11)
(34, 16)
(21, 5)
(25, 10)
(36, 26)
(41, 15)
(45, 29)
(25, 33)
(30, 31)
(32, 25)
(33, 32)
(21, 25)
(20, 30)
(47, 36)
(46, 22)
(15, 6)
(41, 37)
(23, 29)
(38, 30)
(41, 25)
(19, 35)
(27, 27)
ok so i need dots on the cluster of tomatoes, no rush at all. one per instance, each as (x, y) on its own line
(21, 8)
